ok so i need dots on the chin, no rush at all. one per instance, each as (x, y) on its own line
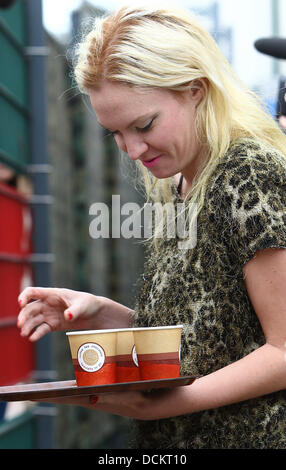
(163, 174)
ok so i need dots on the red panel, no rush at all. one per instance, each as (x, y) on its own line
(16, 353)
(14, 277)
(16, 222)
(16, 356)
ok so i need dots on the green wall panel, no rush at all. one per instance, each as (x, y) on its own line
(14, 105)
(13, 69)
(19, 433)
(14, 18)
(14, 132)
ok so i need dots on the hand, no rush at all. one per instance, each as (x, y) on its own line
(130, 404)
(48, 309)
(144, 406)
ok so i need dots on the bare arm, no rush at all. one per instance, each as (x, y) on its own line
(259, 373)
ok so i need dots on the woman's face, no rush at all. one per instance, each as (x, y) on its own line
(155, 126)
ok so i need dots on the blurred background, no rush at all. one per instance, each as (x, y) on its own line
(55, 163)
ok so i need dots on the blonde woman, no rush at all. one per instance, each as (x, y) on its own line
(158, 82)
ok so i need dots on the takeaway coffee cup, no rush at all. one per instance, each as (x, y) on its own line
(158, 351)
(94, 356)
(127, 367)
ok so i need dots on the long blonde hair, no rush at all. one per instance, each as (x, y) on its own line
(163, 47)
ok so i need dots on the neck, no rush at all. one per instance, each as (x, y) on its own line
(190, 172)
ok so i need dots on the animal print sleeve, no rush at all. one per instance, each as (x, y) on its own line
(251, 200)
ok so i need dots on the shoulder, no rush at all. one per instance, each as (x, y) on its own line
(250, 164)
(247, 198)
(253, 154)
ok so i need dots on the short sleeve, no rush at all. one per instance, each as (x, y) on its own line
(251, 200)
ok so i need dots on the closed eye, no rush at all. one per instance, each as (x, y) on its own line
(146, 128)
(109, 133)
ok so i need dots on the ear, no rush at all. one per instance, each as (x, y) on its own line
(198, 90)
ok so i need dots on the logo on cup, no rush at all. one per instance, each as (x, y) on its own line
(91, 357)
(134, 356)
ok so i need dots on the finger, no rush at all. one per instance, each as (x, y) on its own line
(93, 399)
(75, 310)
(31, 324)
(30, 310)
(40, 331)
(33, 293)
(69, 316)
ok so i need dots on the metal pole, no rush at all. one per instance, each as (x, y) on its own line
(275, 32)
(37, 94)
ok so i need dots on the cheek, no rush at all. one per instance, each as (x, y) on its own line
(164, 137)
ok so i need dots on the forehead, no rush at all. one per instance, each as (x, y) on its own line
(115, 100)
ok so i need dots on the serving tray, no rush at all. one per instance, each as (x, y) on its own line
(68, 388)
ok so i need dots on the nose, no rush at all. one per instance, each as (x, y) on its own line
(134, 146)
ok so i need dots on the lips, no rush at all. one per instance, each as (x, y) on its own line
(152, 162)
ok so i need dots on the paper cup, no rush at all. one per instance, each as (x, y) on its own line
(158, 351)
(94, 356)
(127, 368)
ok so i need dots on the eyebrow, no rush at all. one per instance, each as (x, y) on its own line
(145, 116)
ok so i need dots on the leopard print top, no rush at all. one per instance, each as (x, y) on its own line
(204, 290)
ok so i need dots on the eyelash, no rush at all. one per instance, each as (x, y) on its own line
(146, 128)
(108, 134)
(142, 130)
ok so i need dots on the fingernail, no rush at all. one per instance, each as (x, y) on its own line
(94, 400)
(70, 316)
(20, 302)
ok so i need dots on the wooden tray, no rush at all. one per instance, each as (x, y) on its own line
(68, 388)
